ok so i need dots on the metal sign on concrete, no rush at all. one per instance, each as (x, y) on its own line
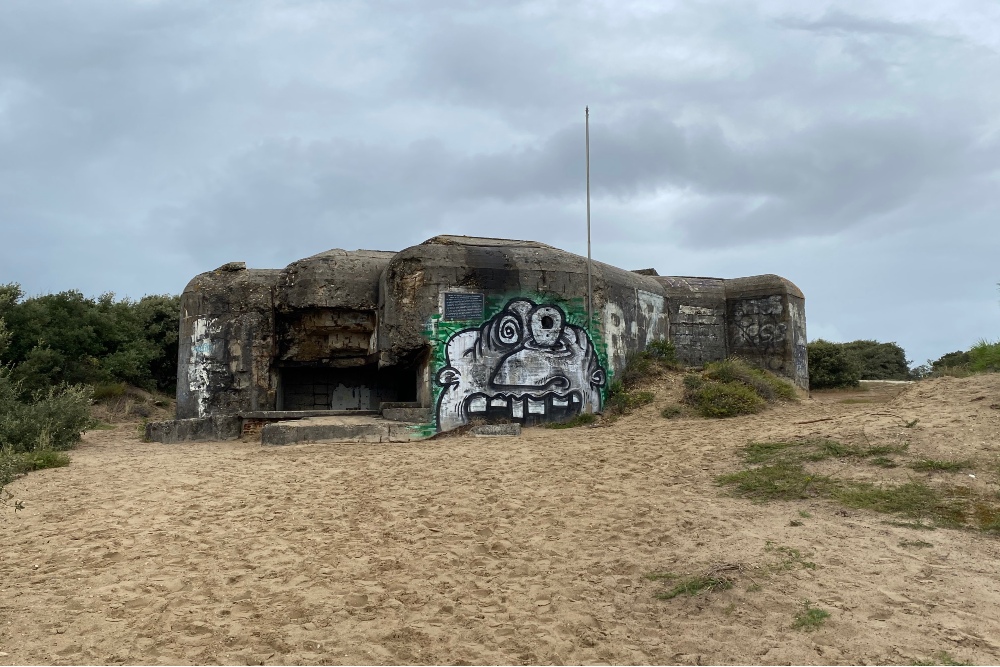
(463, 306)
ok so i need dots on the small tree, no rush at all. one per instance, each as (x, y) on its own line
(831, 366)
(878, 361)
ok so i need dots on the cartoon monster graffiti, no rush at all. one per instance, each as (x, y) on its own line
(526, 363)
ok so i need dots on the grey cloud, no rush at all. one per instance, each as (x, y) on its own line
(179, 135)
(837, 21)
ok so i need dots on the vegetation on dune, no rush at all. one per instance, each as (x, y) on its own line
(67, 338)
(58, 353)
(624, 392)
(777, 471)
(810, 618)
(836, 365)
(984, 357)
(830, 366)
(35, 431)
(732, 387)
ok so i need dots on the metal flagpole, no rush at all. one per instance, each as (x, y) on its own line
(590, 295)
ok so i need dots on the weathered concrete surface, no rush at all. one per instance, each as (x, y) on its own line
(759, 318)
(697, 311)
(415, 415)
(339, 429)
(214, 427)
(766, 325)
(226, 343)
(496, 430)
(413, 282)
(337, 279)
(300, 414)
(459, 328)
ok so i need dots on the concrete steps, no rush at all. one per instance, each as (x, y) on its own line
(341, 428)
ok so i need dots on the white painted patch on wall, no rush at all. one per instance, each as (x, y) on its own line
(614, 335)
(653, 307)
(201, 360)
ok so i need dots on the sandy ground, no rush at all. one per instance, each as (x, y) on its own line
(499, 550)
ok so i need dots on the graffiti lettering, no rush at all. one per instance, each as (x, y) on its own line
(526, 364)
(757, 328)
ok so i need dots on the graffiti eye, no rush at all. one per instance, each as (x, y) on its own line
(509, 330)
(597, 378)
(546, 326)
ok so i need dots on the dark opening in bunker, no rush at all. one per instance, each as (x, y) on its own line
(354, 388)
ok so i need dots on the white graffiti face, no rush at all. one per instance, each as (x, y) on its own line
(526, 363)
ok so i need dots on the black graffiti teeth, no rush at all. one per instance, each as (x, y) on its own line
(528, 408)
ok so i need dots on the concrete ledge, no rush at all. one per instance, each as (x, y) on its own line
(300, 414)
(416, 415)
(215, 427)
(344, 429)
(494, 430)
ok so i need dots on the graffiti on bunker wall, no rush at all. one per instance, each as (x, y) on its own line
(757, 327)
(525, 363)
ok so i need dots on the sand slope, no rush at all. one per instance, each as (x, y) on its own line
(527, 550)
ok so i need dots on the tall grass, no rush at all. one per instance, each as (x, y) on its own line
(984, 357)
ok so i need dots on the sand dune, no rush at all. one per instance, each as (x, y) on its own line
(499, 550)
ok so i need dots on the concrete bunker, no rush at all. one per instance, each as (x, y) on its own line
(453, 329)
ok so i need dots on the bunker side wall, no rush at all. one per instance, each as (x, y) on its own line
(226, 344)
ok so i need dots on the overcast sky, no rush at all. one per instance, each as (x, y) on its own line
(853, 148)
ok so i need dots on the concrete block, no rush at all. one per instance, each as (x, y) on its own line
(493, 430)
(416, 415)
(215, 427)
(338, 429)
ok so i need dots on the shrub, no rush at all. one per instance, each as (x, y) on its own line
(54, 419)
(638, 366)
(623, 395)
(663, 351)
(69, 338)
(878, 361)
(764, 384)
(985, 357)
(830, 366)
(717, 399)
(693, 381)
(621, 401)
(108, 390)
(671, 411)
(950, 360)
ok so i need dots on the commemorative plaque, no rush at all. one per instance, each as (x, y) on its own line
(463, 306)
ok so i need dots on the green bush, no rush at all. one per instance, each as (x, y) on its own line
(663, 351)
(672, 412)
(764, 384)
(830, 366)
(108, 390)
(68, 338)
(878, 361)
(950, 360)
(693, 381)
(54, 419)
(732, 387)
(622, 401)
(984, 357)
(638, 367)
(717, 399)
